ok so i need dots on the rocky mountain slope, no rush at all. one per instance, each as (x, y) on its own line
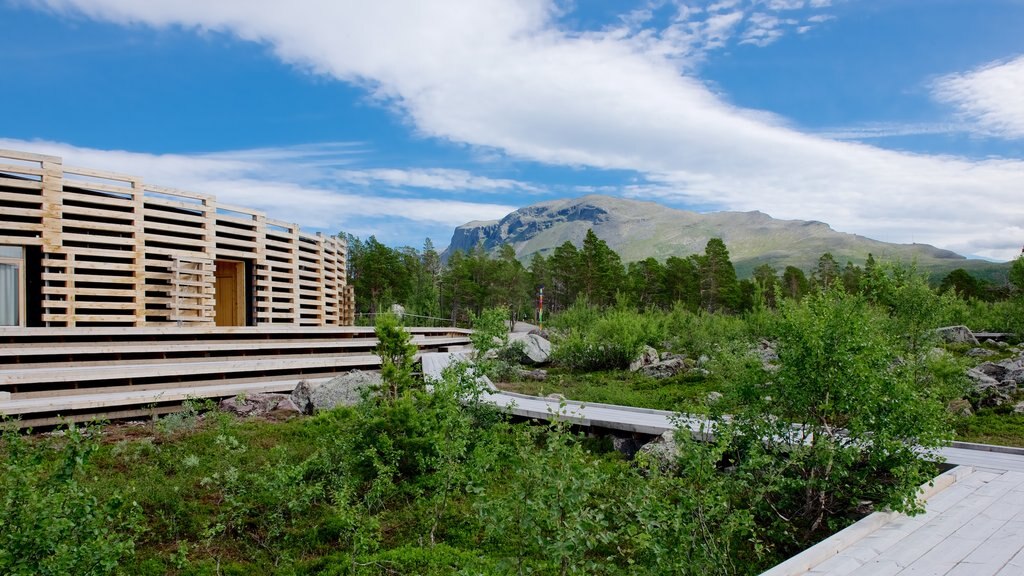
(637, 230)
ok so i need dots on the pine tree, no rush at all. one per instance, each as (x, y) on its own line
(719, 289)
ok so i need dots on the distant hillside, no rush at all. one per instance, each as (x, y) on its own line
(638, 230)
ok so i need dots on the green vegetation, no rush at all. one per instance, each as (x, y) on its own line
(830, 384)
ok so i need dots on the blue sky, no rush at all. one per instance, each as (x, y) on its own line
(902, 120)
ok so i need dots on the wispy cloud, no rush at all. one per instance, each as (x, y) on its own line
(699, 27)
(990, 97)
(879, 130)
(440, 179)
(297, 184)
(503, 75)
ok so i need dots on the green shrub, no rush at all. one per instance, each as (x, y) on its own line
(611, 341)
(51, 522)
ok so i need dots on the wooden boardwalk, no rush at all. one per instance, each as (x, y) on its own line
(974, 524)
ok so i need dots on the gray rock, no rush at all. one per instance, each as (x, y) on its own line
(255, 404)
(1017, 376)
(287, 405)
(536, 349)
(992, 369)
(537, 375)
(981, 380)
(960, 407)
(1002, 344)
(1019, 408)
(769, 358)
(702, 360)
(344, 390)
(627, 446)
(713, 397)
(672, 356)
(957, 335)
(993, 397)
(665, 368)
(662, 452)
(647, 357)
(980, 352)
(1008, 385)
(542, 333)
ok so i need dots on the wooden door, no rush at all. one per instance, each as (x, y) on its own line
(229, 293)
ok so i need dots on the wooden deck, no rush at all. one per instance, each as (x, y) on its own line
(84, 373)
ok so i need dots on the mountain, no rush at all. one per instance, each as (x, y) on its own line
(638, 230)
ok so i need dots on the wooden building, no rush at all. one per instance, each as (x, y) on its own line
(83, 248)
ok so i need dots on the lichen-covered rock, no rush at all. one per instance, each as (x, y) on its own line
(647, 357)
(344, 390)
(960, 407)
(664, 368)
(713, 397)
(957, 335)
(980, 352)
(536, 349)
(257, 404)
(537, 375)
(662, 452)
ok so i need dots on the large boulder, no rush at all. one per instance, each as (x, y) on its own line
(647, 357)
(536, 349)
(258, 404)
(665, 368)
(344, 390)
(957, 335)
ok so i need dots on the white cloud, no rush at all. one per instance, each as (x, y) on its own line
(991, 96)
(501, 75)
(442, 179)
(295, 184)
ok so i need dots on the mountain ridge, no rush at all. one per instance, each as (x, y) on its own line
(641, 229)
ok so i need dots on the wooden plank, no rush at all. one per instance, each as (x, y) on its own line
(29, 212)
(27, 156)
(152, 214)
(78, 318)
(69, 278)
(98, 212)
(101, 227)
(87, 265)
(115, 176)
(102, 200)
(21, 170)
(92, 186)
(28, 226)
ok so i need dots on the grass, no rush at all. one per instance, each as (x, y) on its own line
(992, 426)
(681, 393)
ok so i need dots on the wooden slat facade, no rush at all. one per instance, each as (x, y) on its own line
(116, 251)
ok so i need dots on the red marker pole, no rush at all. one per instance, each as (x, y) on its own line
(540, 308)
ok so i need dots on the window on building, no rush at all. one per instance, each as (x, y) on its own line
(12, 286)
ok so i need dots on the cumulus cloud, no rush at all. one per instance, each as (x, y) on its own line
(991, 96)
(504, 76)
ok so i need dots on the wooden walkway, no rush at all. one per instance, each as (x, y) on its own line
(974, 524)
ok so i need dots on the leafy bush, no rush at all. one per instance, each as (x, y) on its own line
(51, 522)
(841, 421)
(611, 341)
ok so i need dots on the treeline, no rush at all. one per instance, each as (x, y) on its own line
(469, 283)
